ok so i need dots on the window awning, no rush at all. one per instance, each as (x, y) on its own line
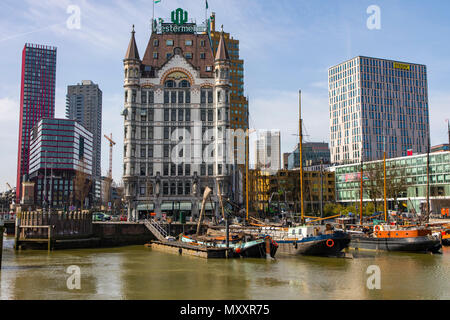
(175, 205)
(145, 207)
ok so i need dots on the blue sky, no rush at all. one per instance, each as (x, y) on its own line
(287, 45)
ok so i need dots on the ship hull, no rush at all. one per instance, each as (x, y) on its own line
(250, 249)
(258, 250)
(324, 245)
(413, 244)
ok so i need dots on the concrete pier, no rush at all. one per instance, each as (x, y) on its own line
(179, 248)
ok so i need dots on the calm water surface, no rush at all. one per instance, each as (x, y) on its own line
(139, 273)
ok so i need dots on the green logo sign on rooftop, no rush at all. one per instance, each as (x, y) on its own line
(179, 16)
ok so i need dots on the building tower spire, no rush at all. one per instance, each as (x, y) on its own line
(132, 52)
(222, 51)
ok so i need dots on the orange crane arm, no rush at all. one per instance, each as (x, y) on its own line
(109, 139)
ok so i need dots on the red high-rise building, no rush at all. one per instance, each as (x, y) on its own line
(37, 100)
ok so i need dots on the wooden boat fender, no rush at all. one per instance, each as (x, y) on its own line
(330, 243)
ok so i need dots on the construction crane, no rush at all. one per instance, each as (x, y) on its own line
(111, 145)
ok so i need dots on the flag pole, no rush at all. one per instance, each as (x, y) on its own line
(153, 16)
(206, 12)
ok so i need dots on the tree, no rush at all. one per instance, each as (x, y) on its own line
(82, 183)
(397, 183)
(373, 185)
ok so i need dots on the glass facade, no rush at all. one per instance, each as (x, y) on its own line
(377, 105)
(60, 144)
(406, 179)
(59, 147)
(37, 98)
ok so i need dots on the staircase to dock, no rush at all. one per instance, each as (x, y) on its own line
(157, 229)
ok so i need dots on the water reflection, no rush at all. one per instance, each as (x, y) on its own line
(140, 273)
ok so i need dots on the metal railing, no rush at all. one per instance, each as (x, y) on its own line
(156, 228)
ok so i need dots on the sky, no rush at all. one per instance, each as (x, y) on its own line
(287, 46)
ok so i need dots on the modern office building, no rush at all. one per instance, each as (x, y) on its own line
(268, 151)
(407, 185)
(37, 100)
(239, 103)
(176, 113)
(313, 155)
(376, 105)
(59, 148)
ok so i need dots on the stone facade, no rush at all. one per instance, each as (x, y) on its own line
(176, 113)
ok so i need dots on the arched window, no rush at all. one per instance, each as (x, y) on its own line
(169, 84)
(184, 84)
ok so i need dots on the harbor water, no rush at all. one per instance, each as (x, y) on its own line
(137, 272)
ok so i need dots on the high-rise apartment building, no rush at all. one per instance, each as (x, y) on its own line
(176, 113)
(37, 100)
(84, 104)
(377, 105)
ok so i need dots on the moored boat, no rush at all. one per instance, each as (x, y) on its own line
(445, 237)
(246, 246)
(316, 240)
(396, 238)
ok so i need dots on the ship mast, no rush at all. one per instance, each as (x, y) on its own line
(384, 169)
(428, 179)
(301, 155)
(361, 194)
(246, 174)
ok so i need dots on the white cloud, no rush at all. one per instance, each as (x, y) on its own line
(9, 128)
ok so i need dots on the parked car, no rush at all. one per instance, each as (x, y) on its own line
(100, 216)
